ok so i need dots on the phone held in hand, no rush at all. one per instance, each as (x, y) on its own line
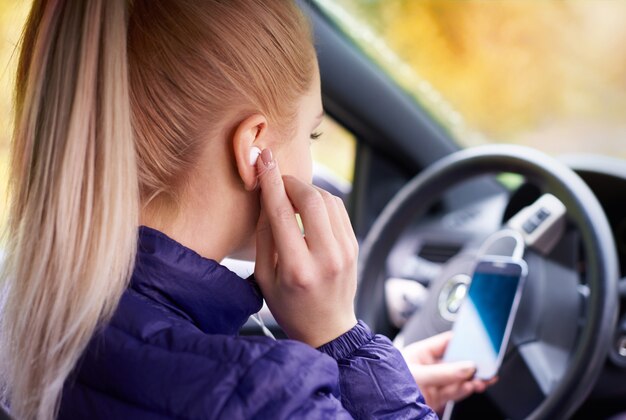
(483, 327)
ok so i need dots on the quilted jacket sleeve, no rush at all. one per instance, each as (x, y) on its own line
(290, 381)
(148, 366)
(368, 379)
(374, 379)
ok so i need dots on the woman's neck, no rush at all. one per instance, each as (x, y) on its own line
(214, 219)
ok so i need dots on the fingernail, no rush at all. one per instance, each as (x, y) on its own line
(267, 158)
(467, 372)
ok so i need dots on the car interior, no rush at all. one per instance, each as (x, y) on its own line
(422, 206)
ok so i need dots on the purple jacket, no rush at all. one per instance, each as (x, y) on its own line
(171, 350)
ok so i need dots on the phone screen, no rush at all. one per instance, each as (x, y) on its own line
(480, 333)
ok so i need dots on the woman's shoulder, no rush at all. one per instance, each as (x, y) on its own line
(152, 358)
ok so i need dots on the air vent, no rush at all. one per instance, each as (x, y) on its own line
(438, 252)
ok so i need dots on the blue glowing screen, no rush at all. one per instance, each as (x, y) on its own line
(481, 325)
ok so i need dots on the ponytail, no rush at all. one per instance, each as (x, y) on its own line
(76, 181)
(74, 197)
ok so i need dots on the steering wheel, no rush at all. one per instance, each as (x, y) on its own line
(565, 320)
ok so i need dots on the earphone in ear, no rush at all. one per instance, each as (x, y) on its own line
(254, 155)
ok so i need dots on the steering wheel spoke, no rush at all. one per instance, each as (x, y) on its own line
(529, 374)
(545, 362)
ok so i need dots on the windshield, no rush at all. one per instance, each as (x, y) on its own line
(550, 75)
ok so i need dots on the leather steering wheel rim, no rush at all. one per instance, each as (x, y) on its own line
(583, 208)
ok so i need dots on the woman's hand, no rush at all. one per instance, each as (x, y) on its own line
(308, 281)
(441, 382)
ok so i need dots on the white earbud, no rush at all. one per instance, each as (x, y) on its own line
(254, 155)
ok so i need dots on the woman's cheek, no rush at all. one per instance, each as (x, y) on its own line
(297, 162)
(307, 167)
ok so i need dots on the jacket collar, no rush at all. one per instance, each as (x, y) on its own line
(195, 288)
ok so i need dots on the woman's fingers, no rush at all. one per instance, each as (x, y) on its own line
(342, 227)
(437, 344)
(282, 218)
(347, 224)
(443, 382)
(265, 261)
(428, 350)
(311, 294)
(314, 212)
(442, 374)
(481, 385)
(456, 392)
(333, 214)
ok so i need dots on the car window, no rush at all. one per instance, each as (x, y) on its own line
(334, 155)
(550, 75)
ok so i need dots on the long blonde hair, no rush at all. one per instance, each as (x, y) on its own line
(112, 104)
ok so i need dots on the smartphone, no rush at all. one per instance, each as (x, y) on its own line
(482, 329)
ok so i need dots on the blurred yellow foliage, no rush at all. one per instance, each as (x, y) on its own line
(12, 17)
(335, 150)
(515, 70)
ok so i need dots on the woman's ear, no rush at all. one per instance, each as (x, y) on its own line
(248, 141)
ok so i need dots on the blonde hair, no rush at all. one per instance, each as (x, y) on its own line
(202, 63)
(111, 109)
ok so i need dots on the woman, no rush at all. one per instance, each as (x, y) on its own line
(153, 114)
